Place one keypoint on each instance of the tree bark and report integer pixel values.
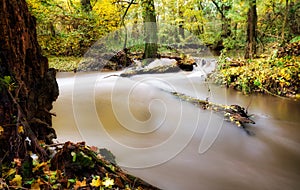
(251, 31)
(285, 21)
(150, 29)
(25, 105)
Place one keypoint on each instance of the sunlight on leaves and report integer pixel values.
(80, 183)
(108, 182)
(1, 130)
(96, 182)
(16, 181)
(20, 129)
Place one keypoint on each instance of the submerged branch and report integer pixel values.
(233, 113)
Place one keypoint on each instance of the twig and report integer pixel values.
(123, 23)
(249, 105)
(111, 76)
(267, 91)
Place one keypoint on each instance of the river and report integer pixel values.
(175, 145)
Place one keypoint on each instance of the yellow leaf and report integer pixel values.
(39, 166)
(17, 181)
(10, 172)
(1, 130)
(20, 129)
(80, 183)
(96, 182)
(36, 184)
(108, 182)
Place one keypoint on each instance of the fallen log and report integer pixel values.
(157, 70)
(233, 113)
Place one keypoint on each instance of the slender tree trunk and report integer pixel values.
(285, 21)
(150, 29)
(26, 100)
(181, 23)
(251, 31)
(123, 24)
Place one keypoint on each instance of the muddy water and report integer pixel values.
(175, 145)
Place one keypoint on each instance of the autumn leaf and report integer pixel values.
(80, 183)
(1, 130)
(20, 129)
(108, 182)
(96, 182)
(16, 181)
(9, 173)
(18, 162)
(39, 166)
(36, 184)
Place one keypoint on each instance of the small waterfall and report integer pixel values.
(203, 67)
(207, 65)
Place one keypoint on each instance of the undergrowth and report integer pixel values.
(277, 76)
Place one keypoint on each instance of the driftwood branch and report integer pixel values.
(233, 113)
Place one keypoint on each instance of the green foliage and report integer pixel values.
(6, 80)
(64, 28)
(271, 16)
(295, 39)
(279, 76)
(82, 160)
(6, 83)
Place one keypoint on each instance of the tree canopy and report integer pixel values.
(68, 27)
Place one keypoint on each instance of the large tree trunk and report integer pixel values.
(150, 29)
(251, 31)
(25, 103)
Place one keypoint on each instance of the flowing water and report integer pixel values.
(175, 145)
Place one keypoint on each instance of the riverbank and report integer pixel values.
(276, 76)
(268, 75)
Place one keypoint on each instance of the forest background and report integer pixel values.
(68, 28)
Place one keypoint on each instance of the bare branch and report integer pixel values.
(218, 8)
